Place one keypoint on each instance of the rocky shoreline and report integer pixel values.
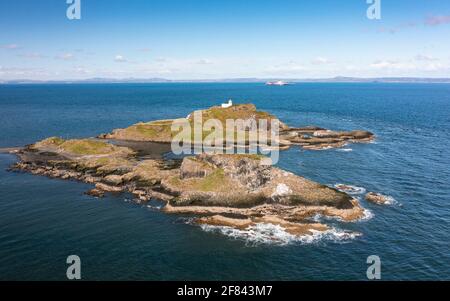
(237, 191)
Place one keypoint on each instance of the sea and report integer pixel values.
(43, 221)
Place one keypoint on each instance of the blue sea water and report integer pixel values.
(42, 221)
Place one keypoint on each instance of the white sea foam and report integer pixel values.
(367, 215)
(264, 233)
(344, 150)
(155, 207)
(390, 200)
(350, 189)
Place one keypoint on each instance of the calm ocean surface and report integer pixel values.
(42, 221)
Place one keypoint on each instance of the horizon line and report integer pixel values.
(336, 79)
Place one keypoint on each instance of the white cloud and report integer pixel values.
(290, 67)
(434, 66)
(161, 60)
(352, 68)
(32, 55)
(10, 46)
(81, 70)
(65, 56)
(393, 64)
(16, 72)
(120, 59)
(426, 58)
(204, 62)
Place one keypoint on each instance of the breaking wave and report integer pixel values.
(344, 150)
(350, 189)
(264, 233)
(154, 207)
(367, 215)
(391, 201)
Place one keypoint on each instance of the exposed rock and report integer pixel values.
(326, 139)
(297, 229)
(219, 220)
(105, 187)
(242, 181)
(96, 193)
(378, 198)
(192, 168)
(114, 180)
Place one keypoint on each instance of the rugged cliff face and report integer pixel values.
(242, 181)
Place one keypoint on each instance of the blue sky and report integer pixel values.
(213, 39)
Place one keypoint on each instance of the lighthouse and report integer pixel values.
(228, 104)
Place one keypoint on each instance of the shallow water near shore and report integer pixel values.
(42, 221)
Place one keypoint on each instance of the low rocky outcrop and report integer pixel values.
(378, 198)
(292, 228)
(96, 193)
(311, 137)
(314, 138)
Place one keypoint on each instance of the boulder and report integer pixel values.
(96, 193)
(114, 180)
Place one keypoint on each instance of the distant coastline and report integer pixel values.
(338, 79)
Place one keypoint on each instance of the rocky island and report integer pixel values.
(233, 190)
(310, 137)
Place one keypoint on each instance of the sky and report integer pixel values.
(216, 39)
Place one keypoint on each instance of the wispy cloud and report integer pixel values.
(425, 58)
(21, 72)
(204, 62)
(320, 61)
(397, 28)
(161, 60)
(290, 67)
(10, 46)
(65, 56)
(420, 63)
(81, 70)
(431, 20)
(32, 55)
(392, 64)
(437, 20)
(390, 30)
